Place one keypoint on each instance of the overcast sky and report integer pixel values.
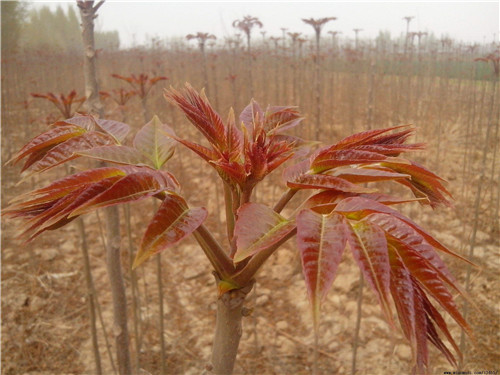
(470, 21)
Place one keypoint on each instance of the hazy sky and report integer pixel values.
(470, 21)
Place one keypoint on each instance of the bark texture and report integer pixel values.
(228, 329)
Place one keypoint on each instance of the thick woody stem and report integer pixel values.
(228, 329)
(221, 262)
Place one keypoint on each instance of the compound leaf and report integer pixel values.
(369, 248)
(173, 221)
(257, 228)
(321, 240)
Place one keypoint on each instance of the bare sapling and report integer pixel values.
(202, 40)
(246, 25)
(332, 91)
(294, 37)
(276, 40)
(317, 25)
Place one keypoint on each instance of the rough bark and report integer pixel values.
(228, 329)
(88, 13)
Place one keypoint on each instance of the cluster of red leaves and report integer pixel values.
(137, 177)
(63, 103)
(244, 155)
(119, 96)
(396, 256)
(141, 83)
(59, 144)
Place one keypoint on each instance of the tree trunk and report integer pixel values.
(115, 275)
(88, 13)
(228, 329)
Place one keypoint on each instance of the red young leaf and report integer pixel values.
(279, 119)
(402, 290)
(326, 201)
(250, 115)
(423, 182)
(433, 314)
(117, 154)
(391, 149)
(405, 233)
(68, 150)
(204, 152)
(321, 181)
(362, 175)
(64, 186)
(48, 139)
(36, 156)
(135, 186)
(421, 331)
(433, 337)
(87, 122)
(365, 137)
(234, 138)
(416, 314)
(369, 248)
(117, 129)
(357, 208)
(257, 228)
(329, 159)
(173, 221)
(431, 280)
(295, 171)
(60, 202)
(397, 138)
(365, 148)
(65, 207)
(199, 111)
(321, 240)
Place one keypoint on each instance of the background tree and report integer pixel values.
(246, 25)
(408, 20)
(202, 40)
(317, 25)
(13, 15)
(60, 30)
(356, 32)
